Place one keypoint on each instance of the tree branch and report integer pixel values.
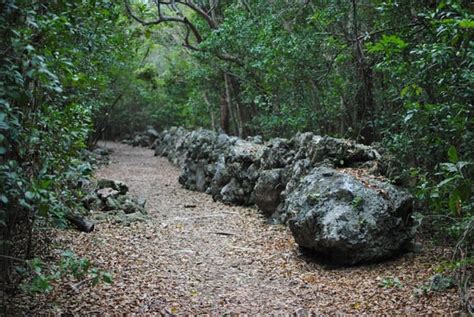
(160, 19)
(189, 3)
(190, 27)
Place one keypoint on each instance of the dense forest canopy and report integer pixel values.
(397, 74)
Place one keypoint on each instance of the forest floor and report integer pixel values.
(203, 257)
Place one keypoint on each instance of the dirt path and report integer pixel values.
(199, 256)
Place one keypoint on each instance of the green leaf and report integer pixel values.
(68, 254)
(453, 154)
(3, 199)
(43, 210)
(29, 195)
(42, 284)
(467, 24)
(446, 181)
(107, 278)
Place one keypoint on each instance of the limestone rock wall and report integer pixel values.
(331, 191)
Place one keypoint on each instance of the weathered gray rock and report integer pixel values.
(292, 177)
(221, 177)
(120, 217)
(119, 186)
(198, 163)
(339, 151)
(111, 197)
(233, 193)
(143, 139)
(332, 213)
(126, 219)
(101, 151)
(98, 156)
(92, 202)
(348, 220)
(267, 190)
(171, 144)
(111, 204)
(237, 171)
(129, 205)
(107, 192)
(152, 133)
(278, 153)
(138, 139)
(257, 139)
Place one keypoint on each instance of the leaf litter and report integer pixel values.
(218, 259)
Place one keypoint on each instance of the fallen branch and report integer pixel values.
(222, 233)
(81, 223)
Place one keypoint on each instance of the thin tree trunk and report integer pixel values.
(364, 103)
(224, 115)
(211, 113)
(228, 99)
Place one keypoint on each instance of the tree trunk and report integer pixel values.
(224, 115)
(210, 110)
(364, 100)
(234, 113)
(242, 111)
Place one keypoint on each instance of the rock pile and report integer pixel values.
(110, 199)
(97, 156)
(330, 191)
(143, 139)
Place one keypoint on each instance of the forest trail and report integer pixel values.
(200, 256)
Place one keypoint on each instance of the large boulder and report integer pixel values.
(348, 219)
(290, 178)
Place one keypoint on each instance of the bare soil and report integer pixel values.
(197, 256)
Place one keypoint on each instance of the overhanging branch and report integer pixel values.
(180, 18)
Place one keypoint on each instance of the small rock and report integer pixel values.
(116, 185)
(107, 192)
(112, 204)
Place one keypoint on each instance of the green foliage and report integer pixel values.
(357, 202)
(43, 277)
(449, 193)
(437, 283)
(388, 44)
(391, 71)
(59, 61)
(395, 72)
(391, 282)
(454, 191)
